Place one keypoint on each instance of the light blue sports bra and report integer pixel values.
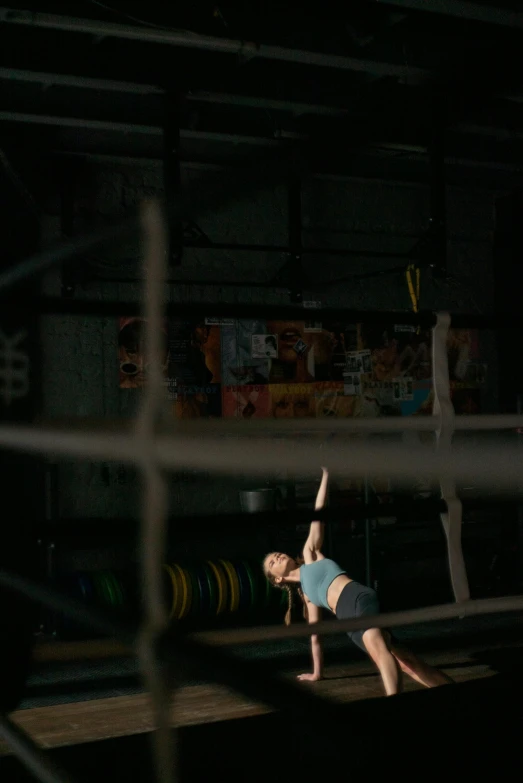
(316, 578)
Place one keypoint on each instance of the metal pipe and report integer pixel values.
(63, 80)
(127, 127)
(254, 102)
(125, 632)
(461, 9)
(189, 40)
(497, 467)
(299, 427)
(293, 248)
(172, 178)
(282, 312)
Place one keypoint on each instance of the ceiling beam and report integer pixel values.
(245, 49)
(199, 96)
(139, 130)
(461, 9)
(259, 141)
(60, 80)
(250, 102)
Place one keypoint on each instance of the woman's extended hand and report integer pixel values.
(309, 677)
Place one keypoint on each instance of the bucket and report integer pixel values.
(255, 501)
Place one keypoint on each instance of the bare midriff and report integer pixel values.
(335, 590)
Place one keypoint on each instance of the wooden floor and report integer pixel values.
(71, 724)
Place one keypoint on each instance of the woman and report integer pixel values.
(321, 583)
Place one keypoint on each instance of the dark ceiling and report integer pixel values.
(367, 90)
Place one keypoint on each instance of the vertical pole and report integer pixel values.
(172, 178)
(368, 535)
(508, 250)
(438, 189)
(295, 232)
(68, 176)
(21, 474)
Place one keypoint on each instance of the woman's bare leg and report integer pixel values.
(387, 663)
(417, 669)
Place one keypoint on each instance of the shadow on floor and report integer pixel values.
(459, 727)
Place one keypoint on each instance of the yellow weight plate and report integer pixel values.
(183, 602)
(175, 590)
(222, 593)
(188, 582)
(234, 585)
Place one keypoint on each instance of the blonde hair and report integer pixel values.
(289, 589)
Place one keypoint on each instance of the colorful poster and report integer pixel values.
(238, 366)
(352, 383)
(331, 401)
(292, 400)
(197, 402)
(330, 348)
(402, 389)
(295, 359)
(421, 401)
(462, 348)
(283, 369)
(396, 353)
(131, 353)
(194, 353)
(245, 402)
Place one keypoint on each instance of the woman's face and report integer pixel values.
(291, 407)
(278, 565)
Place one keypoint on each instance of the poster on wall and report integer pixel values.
(245, 402)
(421, 401)
(238, 365)
(294, 361)
(298, 369)
(332, 402)
(194, 352)
(352, 383)
(292, 400)
(131, 353)
(462, 348)
(264, 346)
(197, 402)
(395, 354)
(402, 389)
(330, 348)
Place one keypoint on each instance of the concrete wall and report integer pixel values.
(80, 367)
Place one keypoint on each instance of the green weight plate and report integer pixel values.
(100, 587)
(195, 592)
(252, 581)
(213, 589)
(116, 588)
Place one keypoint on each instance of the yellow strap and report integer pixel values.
(414, 294)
